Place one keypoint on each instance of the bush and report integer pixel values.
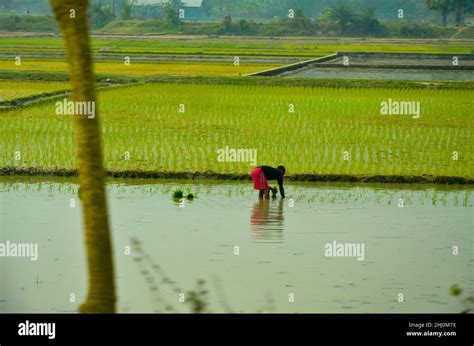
(28, 23)
(368, 28)
(415, 30)
(99, 14)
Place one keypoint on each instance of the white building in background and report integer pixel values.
(192, 8)
(186, 3)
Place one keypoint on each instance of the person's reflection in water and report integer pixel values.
(266, 221)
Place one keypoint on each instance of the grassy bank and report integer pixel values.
(209, 175)
(333, 131)
(40, 76)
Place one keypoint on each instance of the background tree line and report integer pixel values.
(269, 9)
(270, 17)
(460, 8)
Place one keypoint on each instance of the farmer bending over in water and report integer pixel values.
(260, 176)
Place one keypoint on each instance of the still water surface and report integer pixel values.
(253, 255)
(391, 74)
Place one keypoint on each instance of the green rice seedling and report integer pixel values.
(144, 121)
(178, 194)
(10, 90)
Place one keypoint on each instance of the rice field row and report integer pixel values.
(135, 68)
(10, 90)
(255, 47)
(180, 128)
(301, 193)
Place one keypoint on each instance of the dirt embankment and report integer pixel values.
(389, 179)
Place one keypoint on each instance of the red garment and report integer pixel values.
(259, 180)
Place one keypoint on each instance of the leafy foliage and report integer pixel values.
(341, 14)
(127, 9)
(445, 7)
(100, 14)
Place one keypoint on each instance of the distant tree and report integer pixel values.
(414, 30)
(369, 24)
(171, 9)
(244, 26)
(460, 8)
(256, 8)
(341, 14)
(299, 13)
(127, 9)
(100, 14)
(368, 13)
(227, 24)
(444, 7)
(299, 24)
(148, 11)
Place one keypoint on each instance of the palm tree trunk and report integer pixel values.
(459, 14)
(101, 293)
(444, 15)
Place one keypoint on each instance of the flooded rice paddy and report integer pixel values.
(381, 73)
(252, 255)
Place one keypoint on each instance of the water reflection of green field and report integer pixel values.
(408, 249)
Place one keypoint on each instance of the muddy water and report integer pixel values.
(253, 255)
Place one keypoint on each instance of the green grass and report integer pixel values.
(223, 80)
(28, 23)
(10, 90)
(199, 46)
(145, 122)
(137, 68)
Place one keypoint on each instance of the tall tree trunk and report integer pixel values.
(459, 14)
(101, 293)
